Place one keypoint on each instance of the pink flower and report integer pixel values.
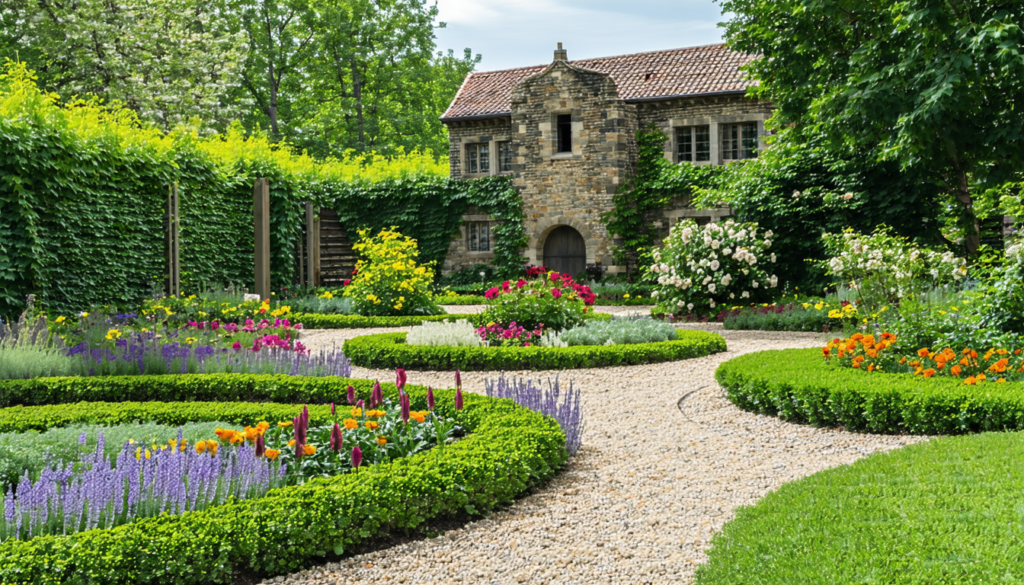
(236, 346)
(554, 276)
(556, 292)
(215, 325)
(491, 293)
(521, 283)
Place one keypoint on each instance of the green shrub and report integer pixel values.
(508, 449)
(550, 301)
(797, 385)
(389, 350)
(311, 321)
(791, 318)
(620, 331)
(945, 511)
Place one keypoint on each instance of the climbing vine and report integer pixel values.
(651, 188)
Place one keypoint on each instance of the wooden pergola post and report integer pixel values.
(312, 246)
(172, 253)
(261, 216)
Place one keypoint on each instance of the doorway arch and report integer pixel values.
(565, 251)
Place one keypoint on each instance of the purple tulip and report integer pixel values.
(361, 404)
(400, 379)
(376, 397)
(336, 438)
(404, 400)
(351, 395)
(332, 410)
(261, 446)
(430, 398)
(458, 398)
(357, 456)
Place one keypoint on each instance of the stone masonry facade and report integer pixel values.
(515, 113)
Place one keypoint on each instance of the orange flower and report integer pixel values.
(212, 447)
(351, 423)
(251, 433)
(357, 412)
(923, 352)
(237, 438)
(291, 443)
(371, 425)
(382, 441)
(272, 454)
(981, 377)
(856, 364)
(955, 370)
(224, 434)
(964, 362)
(928, 373)
(871, 367)
(308, 449)
(824, 351)
(201, 447)
(857, 337)
(1001, 380)
(263, 426)
(418, 416)
(871, 353)
(970, 381)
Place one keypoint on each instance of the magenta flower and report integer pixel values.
(336, 438)
(458, 398)
(261, 446)
(351, 395)
(332, 410)
(557, 293)
(357, 456)
(400, 379)
(376, 397)
(236, 346)
(404, 400)
(430, 398)
(458, 379)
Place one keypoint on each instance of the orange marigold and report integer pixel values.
(928, 373)
(970, 381)
(955, 370)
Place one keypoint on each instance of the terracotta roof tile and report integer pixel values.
(690, 71)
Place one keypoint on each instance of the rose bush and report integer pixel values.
(552, 301)
(388, 280)
(701, 267)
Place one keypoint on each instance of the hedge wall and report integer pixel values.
(389, 350)
(83, 191)
(797, 385)
(507, 450)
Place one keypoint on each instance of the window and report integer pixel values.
(564, 133)
(739, 141)
(504, 157)
(693, 143)
(478, 236)
(478, 158)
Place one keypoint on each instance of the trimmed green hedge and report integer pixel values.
(798, 385)
(320, 321)
(481, 300)
(389, 350)
(508, 450)
(944, 511)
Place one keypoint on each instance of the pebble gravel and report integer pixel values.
(665, 462)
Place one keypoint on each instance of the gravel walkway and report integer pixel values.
(666, 460)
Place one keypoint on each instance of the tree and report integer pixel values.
(168, 60)
(280, 36)
(935, 85)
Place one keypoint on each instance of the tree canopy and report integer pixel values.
(936, 85)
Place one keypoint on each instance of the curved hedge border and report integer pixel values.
(508, 450)
(387, 350)
(321, 321)
(942, 511)
(797, 385)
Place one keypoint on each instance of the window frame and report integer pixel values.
(505, 145)
(474, 230)
(477, 156)
(739, 140)
(690, 132)
(563, 133)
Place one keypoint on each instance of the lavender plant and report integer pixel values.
(140, 483)
(564, 407)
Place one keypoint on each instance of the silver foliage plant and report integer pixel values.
(620, 331)
(459, 333)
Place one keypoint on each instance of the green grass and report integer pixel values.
(946, 511)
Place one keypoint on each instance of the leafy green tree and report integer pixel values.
(170, 61)
(933, 84)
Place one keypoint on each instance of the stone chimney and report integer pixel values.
(561, 54)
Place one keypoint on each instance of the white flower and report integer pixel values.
(755, 284)
(712, 303)
(654, 294)
(715, 265)
(679, 304)
(774, 281)
(707, 279)
(732, 295)
(746, 294)
(715, 244)
(726, 279)
(727, 251)
(689, 306)
(768, 234)
(711, 287)
(745, 272)
(773, 257)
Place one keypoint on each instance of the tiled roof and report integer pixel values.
(691, 71)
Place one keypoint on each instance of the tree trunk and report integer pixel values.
(357, 93)
(972, 231)
(272, 107)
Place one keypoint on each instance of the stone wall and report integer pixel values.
(490, 130)
(572, 188)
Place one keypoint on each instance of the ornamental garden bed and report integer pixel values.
(944, 511)
(800, 386)
(387, 349)
(504, 449)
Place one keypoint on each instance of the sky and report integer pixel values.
(520, 33)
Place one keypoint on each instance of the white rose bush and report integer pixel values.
(703, 267)
(884, 268)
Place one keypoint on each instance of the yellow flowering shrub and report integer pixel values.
(388, 279)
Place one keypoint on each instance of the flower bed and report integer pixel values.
(389, 349)
(508, 449)
(313, 321)
(798, 385)
(944, 511)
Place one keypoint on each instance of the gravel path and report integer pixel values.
(666, 460)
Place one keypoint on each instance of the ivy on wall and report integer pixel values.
(652, 187)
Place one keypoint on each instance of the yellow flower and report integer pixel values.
(190, 340)
(272, 454)
(350, 423)
(382, 441)
(85, 314)
(308, 449)
(113, 334)
(284, 424)
(60, 319)
(818, 306)
(625, 296)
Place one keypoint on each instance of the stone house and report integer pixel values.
(566, 133)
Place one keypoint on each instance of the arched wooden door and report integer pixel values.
(565, 251)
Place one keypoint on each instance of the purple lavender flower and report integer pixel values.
(564, 407)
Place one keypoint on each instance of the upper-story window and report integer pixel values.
(504, 156)
(478, 236)
(478, 158)
(564, 125)
(739, 141)
(693, 143)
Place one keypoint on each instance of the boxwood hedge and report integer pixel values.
(798, 385)
(320, 321)
(388, 350)
(508, 449)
